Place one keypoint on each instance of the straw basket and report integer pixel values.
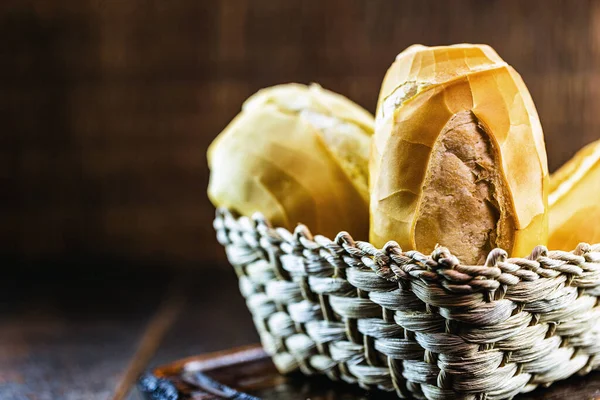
(425, 327)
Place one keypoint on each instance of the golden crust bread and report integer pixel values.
(422, 93)
(295, 97)
(573, 200)
(296, 154)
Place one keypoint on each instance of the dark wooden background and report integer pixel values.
(108, 106)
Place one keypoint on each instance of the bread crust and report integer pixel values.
(436, 84)
(296, 154)
(573, 200)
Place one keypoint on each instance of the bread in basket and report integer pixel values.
(423, 326)
(458, 159)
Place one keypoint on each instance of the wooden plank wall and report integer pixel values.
(108, 105)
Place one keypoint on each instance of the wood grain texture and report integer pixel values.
(109, 106)
(88, 336)
(65, 337)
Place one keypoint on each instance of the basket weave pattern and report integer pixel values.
(423, 326)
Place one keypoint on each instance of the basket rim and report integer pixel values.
(579, 267)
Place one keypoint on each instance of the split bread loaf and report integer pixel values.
(296, 154)
(458, 156)
(574, 200)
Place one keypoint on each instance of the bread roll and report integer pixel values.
(458, 156)
(296, 154)
(573, 200)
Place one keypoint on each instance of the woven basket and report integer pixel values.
(425, 327)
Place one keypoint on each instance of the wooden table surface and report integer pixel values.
(86, 330)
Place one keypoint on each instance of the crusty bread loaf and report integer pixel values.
(458, 156)
(574, 200)
(296, 154)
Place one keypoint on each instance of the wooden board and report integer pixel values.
(250, 371)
